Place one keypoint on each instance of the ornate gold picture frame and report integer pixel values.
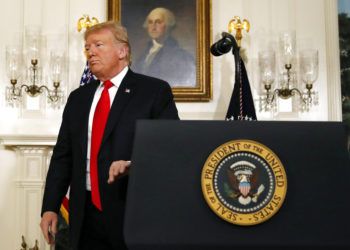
(190, 79)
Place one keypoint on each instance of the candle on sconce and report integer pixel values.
(287, 44)
(13, 62)
(33, 42)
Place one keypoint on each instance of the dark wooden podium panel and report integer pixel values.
(166, 208)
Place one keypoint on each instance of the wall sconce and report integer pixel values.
(25, 69)
(288, 76)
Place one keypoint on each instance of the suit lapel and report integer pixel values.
(87, 98)
(124, 93)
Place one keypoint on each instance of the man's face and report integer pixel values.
(104, 54)
(157, 28)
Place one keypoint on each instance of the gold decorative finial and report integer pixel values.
(24, 245)
(36, 247)
(86, 22)
(236, 24)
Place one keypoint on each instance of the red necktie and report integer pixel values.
(98, 127)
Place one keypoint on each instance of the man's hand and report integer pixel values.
(48, 226)
(116, 169)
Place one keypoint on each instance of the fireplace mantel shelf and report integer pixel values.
(28, 140)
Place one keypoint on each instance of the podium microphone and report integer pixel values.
(224, 45)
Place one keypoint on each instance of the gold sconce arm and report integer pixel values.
(286, 93)
(33, 89)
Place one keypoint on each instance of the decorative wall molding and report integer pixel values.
(33, 156)
(28, 140)
(333, 61)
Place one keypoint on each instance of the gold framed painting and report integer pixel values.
(170, 40)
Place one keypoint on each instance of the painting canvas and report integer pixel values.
(169, 40)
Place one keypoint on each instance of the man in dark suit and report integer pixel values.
(96, 217)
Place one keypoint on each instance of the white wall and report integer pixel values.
(316, 28)
(267, 18)
(7, 198)
(58, 20)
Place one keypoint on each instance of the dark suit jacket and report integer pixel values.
(138, 97)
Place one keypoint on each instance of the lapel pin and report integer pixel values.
(127, 90)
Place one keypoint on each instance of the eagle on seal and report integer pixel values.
(243, 180)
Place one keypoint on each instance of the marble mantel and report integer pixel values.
(33, 153)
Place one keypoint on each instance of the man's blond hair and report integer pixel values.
(119, 33)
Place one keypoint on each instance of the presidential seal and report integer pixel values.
(244, 182)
